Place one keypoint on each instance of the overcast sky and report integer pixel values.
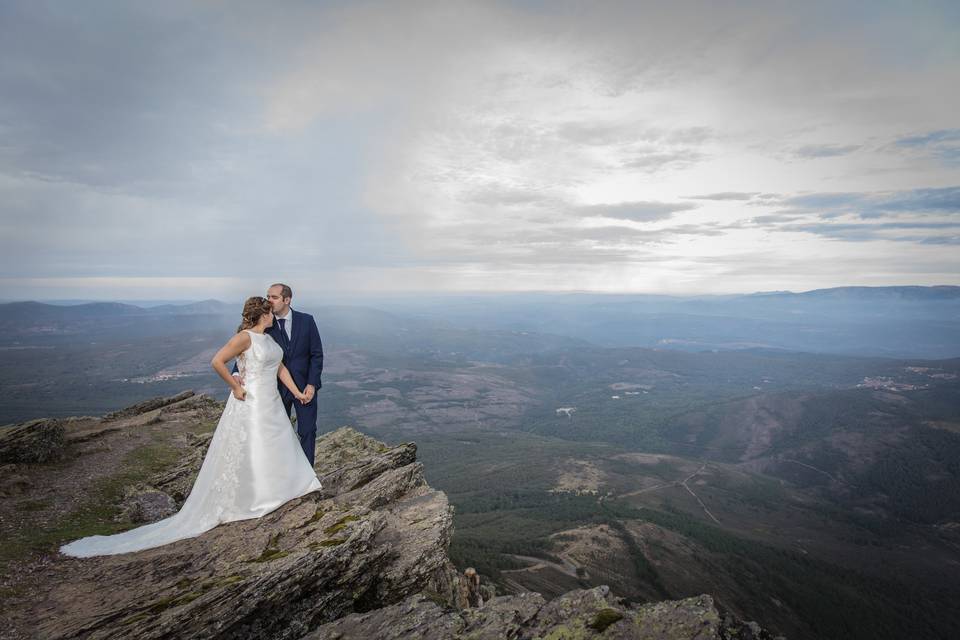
(206, 149)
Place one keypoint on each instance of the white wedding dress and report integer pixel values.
(254, 464)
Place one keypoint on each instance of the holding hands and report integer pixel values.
(306, 395)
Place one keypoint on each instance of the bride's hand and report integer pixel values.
(240, 393)
(302, 397)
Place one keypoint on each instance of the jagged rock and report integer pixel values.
(148, 405)
(686, 618)
(178, 481)
(469, 594)
(392, 481)
(33, 442)
(185, 406)
(202, 406)
(12, 482)
(163, 494)
(488, 592)
(581, 614)
(343, 448)
(422, 617)
(311, 561)
(145, 505)
(355, 474)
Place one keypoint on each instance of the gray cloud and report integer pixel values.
(865, 205)
(931, 138)
(623, 133)
(653, 160)
(602, 134)
(608, 234)
(630, 235)
(939, 240)
(571, 245)
(504, 195)
(862, 232)
(636, 211)
(889, 207)
(649, 149)
(119, 96)
(178, 139)
(697, 230)
(774, 218)
(825, 150)
(726, 195)
(942, 144)
(136, 130)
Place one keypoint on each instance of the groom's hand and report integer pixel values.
(308, 394)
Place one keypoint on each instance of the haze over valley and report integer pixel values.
(794, 454)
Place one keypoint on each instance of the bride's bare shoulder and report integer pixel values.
(240, 339)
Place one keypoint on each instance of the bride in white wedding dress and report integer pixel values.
(254, 463)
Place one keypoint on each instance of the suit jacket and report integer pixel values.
(302, 353)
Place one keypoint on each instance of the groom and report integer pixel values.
(297, 335)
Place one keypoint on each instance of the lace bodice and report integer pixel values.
(261, 360)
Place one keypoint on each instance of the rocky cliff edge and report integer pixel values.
(365, 557)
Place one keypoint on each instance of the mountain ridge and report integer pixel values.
(862, 291)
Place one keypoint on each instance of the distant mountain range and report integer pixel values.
(904, 292)
(903, 321)
(937, 292)
(873, 321)
(31, 310)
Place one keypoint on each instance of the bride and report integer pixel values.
(254, 463)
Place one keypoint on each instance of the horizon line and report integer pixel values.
(467, 293)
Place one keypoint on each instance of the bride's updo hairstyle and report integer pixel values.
(253, 309)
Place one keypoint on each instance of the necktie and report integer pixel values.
(283, 332)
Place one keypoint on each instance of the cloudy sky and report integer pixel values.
(202, 149)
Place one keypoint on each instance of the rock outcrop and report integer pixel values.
(365, 557)
(375, 535)
(580, 614)
(32, 442)
(149, 405)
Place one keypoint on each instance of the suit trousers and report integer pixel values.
(306, 422)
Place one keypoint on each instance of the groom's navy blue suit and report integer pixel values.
(303, 358)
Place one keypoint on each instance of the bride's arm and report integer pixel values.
(234, 347)
(288, 382)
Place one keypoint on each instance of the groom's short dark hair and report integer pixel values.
(285, 291)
